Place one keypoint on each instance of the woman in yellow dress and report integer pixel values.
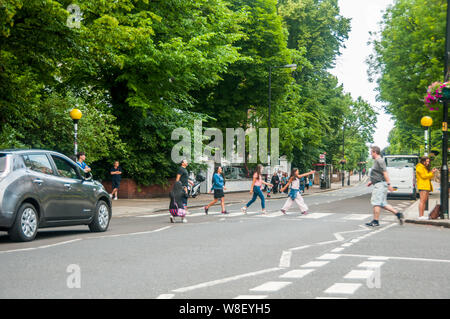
(423, 178)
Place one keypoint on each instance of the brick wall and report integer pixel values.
(129, 189)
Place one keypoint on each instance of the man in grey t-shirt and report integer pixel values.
(379, 178)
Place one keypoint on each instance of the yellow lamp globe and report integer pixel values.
(75, 114)
(426, 121)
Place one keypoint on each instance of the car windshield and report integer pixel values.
(2, 162)
(401, 162)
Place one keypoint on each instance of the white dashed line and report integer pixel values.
(329, 256)
(359, 274)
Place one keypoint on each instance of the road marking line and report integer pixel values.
(357, 216)
(316, 215)
(343, 288)
(315, 264)
(250, 297)
(297, 273)
(166, 296)
(153, 215)
(271, 286)
(359, 274)
(329, 256)
(299, 248)
(371, 264)
(337, 250)
(61, 243)
(131, 234)
(347, 245)
(225, 280)
(330, 298)
(397, 258)
(285, 260)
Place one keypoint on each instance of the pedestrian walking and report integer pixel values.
(218, 186)
(183, 177)
(379, 178)
(295, 193)
(255, 189)
(423, 177)
(81, 157)
(116, 176)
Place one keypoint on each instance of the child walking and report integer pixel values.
(255, 189)
(294, 194)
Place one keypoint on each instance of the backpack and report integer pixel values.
(434, 214)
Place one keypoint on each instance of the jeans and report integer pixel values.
(257, 193)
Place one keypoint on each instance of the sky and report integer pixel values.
(351, 68)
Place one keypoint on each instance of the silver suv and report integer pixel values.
(47, 189)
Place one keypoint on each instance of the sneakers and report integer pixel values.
(373, 223)
(423, 218)
(110, 195)
(184, 220)
(263, 211)
(115, 198)
(304, 213)
(225, 212)
(283, 211)
(244, 210)
(172, 219)
(400, 217)
(206, 210)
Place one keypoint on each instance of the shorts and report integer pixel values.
(379, 194)
(115, 184)
(218, 193)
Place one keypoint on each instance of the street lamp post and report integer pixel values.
(444, 167)
(426, 122)
(75, 115)
(287, 66)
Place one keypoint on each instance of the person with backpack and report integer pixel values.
(218, 185)
(295, 193)
(255, 189)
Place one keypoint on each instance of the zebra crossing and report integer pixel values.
(350, 216)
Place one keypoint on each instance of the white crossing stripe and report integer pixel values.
(250, 297)
(316, 215)
(271, 286)
(297, 273)
(371, 264)
(329, 256)
(315, 264)
(359, 274)
(165, 296)
(337, 250)
(357, 216)
(343, 288)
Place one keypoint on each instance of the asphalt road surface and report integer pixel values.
(328, 253)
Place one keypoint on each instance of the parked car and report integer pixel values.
(40, 188)
(402, 173)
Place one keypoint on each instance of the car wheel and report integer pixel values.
(102, 217)
(26, 224)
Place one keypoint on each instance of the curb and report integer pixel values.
(413, 210)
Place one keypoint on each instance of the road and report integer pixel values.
(328, 253)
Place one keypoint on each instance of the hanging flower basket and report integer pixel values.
(437, 92)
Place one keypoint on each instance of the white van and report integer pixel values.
(402, 173)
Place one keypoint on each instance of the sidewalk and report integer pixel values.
(412, 212)
(130, 207)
